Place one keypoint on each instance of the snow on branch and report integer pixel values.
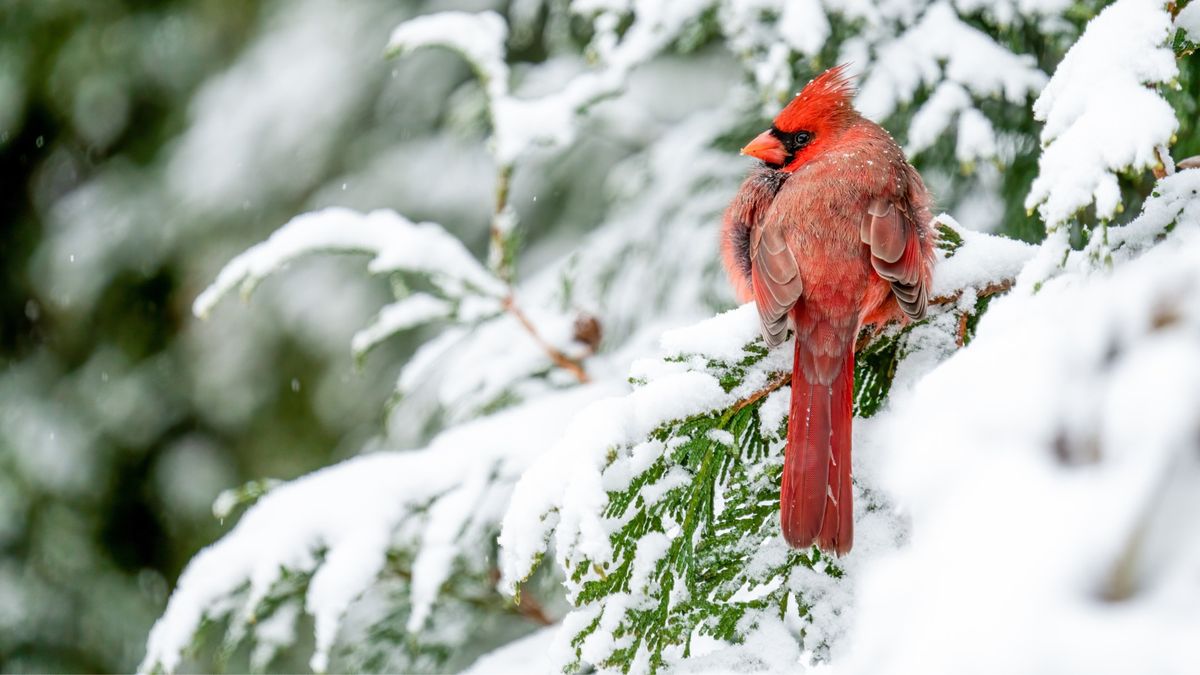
(1103, 112)
(520, 124)
(397, 244)
(328, 536)
(512, 344)
(1175, 201)
(942, 47)
(662, 504)
(1083, 443)
(1188, 23)
(976, 139)
(406, 313)
(655, 25)
(479, 37)
(973, 261)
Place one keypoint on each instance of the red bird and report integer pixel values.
(829, 234)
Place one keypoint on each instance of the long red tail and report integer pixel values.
(816, 498)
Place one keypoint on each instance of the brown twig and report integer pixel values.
(556, 355)
(783, 378)
(960, 336)
(776, 382)
(526, 606)
(991, 289)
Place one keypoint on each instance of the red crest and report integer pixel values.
(824, 101)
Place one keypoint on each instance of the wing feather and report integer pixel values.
(895, 244)
(775, 278)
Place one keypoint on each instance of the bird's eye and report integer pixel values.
(792, 141)
(797, 140)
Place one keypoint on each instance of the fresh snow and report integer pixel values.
(804, 26)
(1175, 201)
(479, 37)
(352, 512)
(413, 310)
(940, 46)
(722, 337)
(520, 657)
(521, 124)
(567, 477)
(935, 116)
(1103, 112)
(395, 243)
(1060, 495)
(1188, 20)
(981, 257)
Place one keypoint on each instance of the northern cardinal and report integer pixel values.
(829, 234)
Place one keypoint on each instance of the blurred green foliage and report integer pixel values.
(100, 434)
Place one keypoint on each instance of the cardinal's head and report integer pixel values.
(812, 121)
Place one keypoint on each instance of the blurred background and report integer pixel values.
(143, 143)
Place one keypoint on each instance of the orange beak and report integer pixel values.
(767, 148)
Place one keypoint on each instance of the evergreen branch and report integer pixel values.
(870, 338)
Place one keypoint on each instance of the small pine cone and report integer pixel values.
(587, 331)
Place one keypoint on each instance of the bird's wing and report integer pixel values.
(745, 213)
(895, 241)
(775, 278)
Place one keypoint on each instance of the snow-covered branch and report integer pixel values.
(395, 244)
(1103, 112)
(654, 500)
(1067, 426)
(333, 531)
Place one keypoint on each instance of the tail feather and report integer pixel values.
(806, 463)
(837, 530)
(816, 497)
